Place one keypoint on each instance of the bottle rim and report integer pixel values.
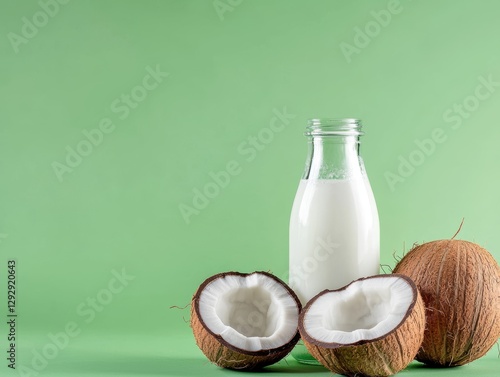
(334, 127)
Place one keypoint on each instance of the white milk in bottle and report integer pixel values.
(334, 226)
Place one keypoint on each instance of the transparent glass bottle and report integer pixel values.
(334, 226)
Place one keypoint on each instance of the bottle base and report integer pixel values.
(302, 355)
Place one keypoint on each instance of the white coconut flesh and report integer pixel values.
(252, 312)
(364, 310)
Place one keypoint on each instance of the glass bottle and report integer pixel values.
(334, 227)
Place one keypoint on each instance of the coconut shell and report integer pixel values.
(225, 355)
(460, 284)
(382, 356)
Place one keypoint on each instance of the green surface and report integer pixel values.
(171, 91)
(148, 356)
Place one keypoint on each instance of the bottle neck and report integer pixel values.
(333, 157)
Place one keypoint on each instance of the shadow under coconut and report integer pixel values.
(91, 364)
(456, 370)
(290, 365)
(128, 365)
(419, 366)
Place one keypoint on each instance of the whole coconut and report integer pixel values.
(460, 284)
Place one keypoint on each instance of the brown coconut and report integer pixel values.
(227, 354)
(460, 284)
(384, 355)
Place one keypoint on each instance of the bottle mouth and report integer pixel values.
(334, 127)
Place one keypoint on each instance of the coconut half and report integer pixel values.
(245, 321)
(371, 327)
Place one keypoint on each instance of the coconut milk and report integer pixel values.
(334, 235)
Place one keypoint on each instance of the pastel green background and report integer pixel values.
(119, 208)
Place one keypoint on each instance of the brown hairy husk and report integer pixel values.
(460, 284)
(384, 356)
(226, 356)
